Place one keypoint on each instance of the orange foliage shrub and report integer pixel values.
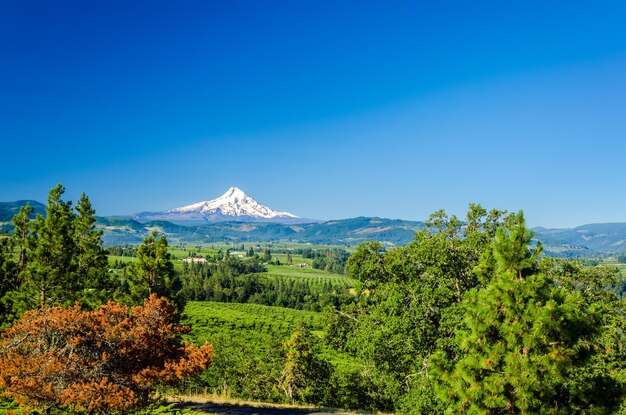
(109, 359)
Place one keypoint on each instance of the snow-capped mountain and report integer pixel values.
(234, 205)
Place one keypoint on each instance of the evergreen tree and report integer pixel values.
(90, 258)
(55, 260)
(522, 339)
(12, 271)
(304, 374)
(153, 271)
(49, 277)
(23, 239)
(7, 282)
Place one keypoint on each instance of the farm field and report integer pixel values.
(255, 325)
(312, 276)
(207, 318)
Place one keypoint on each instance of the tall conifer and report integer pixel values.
(153, 272)
(90, 260)
(49, 275)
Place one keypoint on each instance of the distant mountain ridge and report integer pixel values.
(9, 209)
(582, 241)
(234, 205)
(121, 231)
(590, 239)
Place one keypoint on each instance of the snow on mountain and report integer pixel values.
(234, 205)
(235, 202)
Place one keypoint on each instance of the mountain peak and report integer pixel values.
(234, 193)
(234, 205)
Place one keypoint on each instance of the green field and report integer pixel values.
(124, 259)
(253, 325)
(313, 277)
(207, 318)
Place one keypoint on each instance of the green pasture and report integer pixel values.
(124, 259)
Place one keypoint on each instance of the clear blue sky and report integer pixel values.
(325, 109)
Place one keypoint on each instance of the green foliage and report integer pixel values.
(332, 260)
(247, 342)
(366, 264)
(267, 255)
(7, 406)
(250, 358)
(153, 271)
(51, 269)
(53, 260)
(90, 257)
(604, 374)
(305, 375)
(408, 304)
(245, 281)
(524, 338)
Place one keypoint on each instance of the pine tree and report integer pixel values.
(49, 276)
(153, 272)
(90, 259)
(12, 269)
(23, 240)
(7, 282)
(523, 336)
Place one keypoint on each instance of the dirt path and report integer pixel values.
(230, 409)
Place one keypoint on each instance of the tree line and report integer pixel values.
(235, 280)
(471, 318)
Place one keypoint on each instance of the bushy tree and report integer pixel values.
(523, 339)
(408, 304)
(305, 374)
(106, 360)
(153, 271)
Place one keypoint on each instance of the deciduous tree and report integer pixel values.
(304, 374)
(523, 339)
(106, 360)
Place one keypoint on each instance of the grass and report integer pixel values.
(124, 259)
